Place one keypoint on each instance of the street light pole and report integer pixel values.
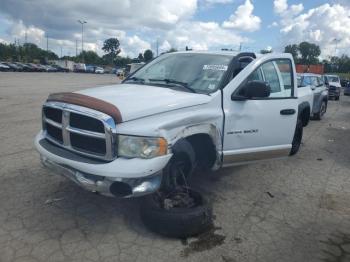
(82, 37)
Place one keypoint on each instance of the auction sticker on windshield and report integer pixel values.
(215, 67)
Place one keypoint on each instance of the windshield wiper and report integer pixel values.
(135, 79)
(173, 81)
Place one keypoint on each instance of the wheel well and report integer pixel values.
(305, 115)
(204, 149)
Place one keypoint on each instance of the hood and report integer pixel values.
(136, 101)
(336, 84)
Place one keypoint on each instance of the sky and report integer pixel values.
(248, 25)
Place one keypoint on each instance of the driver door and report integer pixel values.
(261, 128)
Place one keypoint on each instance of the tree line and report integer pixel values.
(308, 54)
(30, 52)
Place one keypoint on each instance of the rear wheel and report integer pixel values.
(322, 111)
(298, 136)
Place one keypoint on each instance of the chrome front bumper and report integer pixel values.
(108, 186)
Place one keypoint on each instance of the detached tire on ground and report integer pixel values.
(298, 136)
(177, 222)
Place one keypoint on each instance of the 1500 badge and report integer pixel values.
(248, 131)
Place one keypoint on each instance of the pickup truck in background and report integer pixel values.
(332, 82)
(181, 111)
(319, 93)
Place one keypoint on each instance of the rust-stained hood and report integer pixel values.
(137, 101)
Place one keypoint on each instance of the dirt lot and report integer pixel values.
(295, 209)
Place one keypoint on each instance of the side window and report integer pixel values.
(314, 81)
(320, 81)
(285, 68)
(306, 81)
(278, 74)
(256, 75)
(271, 77)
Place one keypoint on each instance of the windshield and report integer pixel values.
(199, 73)
(333, 79)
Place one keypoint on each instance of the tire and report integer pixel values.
(180, 167)
(323, 110)
(298, 136)
(177, 222)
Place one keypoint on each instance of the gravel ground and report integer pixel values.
(294, 209)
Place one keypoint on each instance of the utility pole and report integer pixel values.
(47, 43)
(157, 46)
(240, 47)
(25, 37)
(82, 37)
(61, 52)
(336, 46)
(76, 47)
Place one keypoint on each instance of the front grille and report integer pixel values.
(53, 114)
(87, 123)
(88, 144)
(80, 129)
(54, 133)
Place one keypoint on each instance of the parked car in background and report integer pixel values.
(90, 69)
(25, 68)
(60, 68)
(347, 89)
(305, 100)
(333, 84)
(50, 68)
(80, 68)
(99, 70)
(344, 82)
(4, 68)
(13, 67)
(320, 93)
(131, 68)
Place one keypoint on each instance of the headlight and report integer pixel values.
(141, 147)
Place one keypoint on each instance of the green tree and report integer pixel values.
(148, 55)
(294, 50)
(111, 46)
(90, 57)
(140, 57)
(309, 53)
(171, 50)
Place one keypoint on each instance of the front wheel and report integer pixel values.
(298, 136)
(180, 167)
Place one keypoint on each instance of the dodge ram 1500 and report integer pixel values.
(180, 111)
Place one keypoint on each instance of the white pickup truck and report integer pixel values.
(181, 111)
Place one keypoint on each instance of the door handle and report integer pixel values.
(287, 112)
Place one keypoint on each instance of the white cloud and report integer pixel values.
(279, 6)
(137, 24)
(33, 34)
(243, 18)
(320, 25)
(202, 36)
(214, 2)
(273, 24)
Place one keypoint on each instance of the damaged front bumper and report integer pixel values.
(117, 187)
(119, 178)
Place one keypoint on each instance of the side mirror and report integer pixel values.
(313, 87)
(252, 89)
